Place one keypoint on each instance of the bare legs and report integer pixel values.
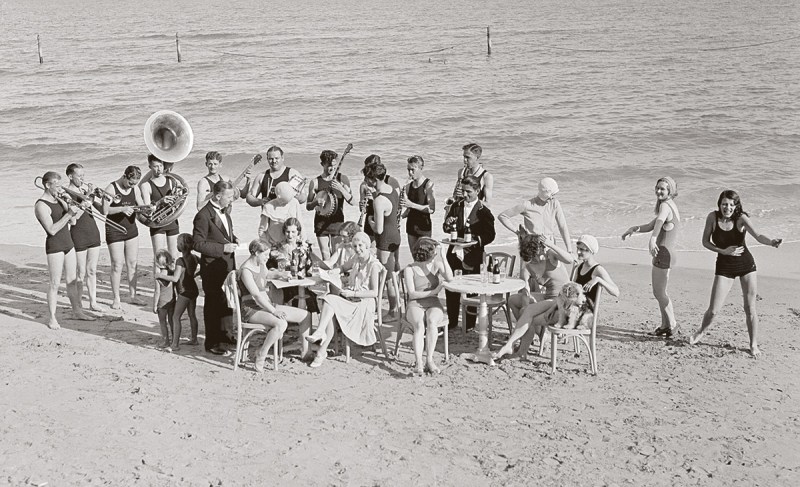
(183, 303)
(161, 241)
(87, 274)
(660, 279)
(58, 264)
(279, 325)
(324, 242)
(532, 311)
(126, 253)
(421, 318)
(389, 260)
(719, 291)
(323, 333)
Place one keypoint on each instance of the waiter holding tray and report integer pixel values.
(467, 213)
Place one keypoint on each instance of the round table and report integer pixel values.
(471, 283)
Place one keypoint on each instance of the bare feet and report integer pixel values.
(694, 339)
(431, 368)
(80, 315)
(418, 370)
(96, 307)
(136, 301)
(116, 305)
(754, 351)
(53, 323)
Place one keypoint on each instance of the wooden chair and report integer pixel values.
(588, 337)
(231, 289)
(378, 318)
(404, 324)
(494, 302)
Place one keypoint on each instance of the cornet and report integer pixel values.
(65, 196)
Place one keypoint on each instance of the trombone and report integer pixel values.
(65, 196)
(88, 192)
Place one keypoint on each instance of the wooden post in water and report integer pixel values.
(39, 49)
(178, 46)
(488, 42)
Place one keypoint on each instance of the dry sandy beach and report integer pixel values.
(97, 404)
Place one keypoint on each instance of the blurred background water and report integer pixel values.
(604, 96)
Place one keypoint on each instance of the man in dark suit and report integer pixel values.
(214, 239)
(469, 259)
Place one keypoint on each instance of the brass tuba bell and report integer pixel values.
(169, 137)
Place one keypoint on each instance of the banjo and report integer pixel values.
(326, 198)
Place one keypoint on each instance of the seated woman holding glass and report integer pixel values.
(354, 307)
(258, 308)
(424, 279)
(280, 258)
(546, 264)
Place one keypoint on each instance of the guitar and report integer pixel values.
(326, 198)
(256, 159)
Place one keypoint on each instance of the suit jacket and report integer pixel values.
(481, 223)
(210, 237)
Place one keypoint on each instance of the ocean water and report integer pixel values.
(604, 96)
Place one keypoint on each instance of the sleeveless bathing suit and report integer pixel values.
(424, 282)
(61, 241)
(321, 223)
(267, 189)
(187, 286)
(584, 279)
(389, 240)
(552, 279)
(85, 234)
(128, 222)
(731, 266)
(666, 257)
(156, 193)
(418, 222)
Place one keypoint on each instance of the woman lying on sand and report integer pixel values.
(724, 234)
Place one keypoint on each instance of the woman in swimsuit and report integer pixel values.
(665, 228)
(424, 279)
(724, 234)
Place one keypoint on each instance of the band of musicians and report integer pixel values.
(360, 260)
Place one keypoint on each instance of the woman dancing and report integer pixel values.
(258, 308)
(86, 238)
(424, 279)
(724, 234)
(55, 215)
(665, 228)
(354, 308)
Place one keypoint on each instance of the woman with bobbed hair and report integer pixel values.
(724, 234)
(354, 308)
(258, 308)
(424, 279)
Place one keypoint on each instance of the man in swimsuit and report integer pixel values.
(206, 184)
(262, 191)
(472, 167)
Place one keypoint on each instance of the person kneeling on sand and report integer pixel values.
(354, 308)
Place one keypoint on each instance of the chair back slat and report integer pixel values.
(507, 259)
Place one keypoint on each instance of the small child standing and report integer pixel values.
(186, 289)
(164, 295)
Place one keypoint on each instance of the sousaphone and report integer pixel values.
(326, 198)
(169, 137)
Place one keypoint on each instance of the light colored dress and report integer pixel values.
(357, 318)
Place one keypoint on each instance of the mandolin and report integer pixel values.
(326, 198)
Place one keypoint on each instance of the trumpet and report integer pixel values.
(65, 197)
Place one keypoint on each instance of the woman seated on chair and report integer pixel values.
(280, 258)
(258, 308)
(423, 279)
(343, 249)
(353, 309)
(589, 273)
(545, 264)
